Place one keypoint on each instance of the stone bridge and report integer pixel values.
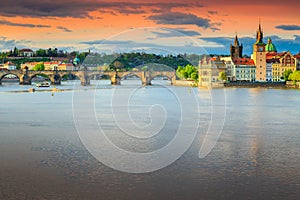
(55, 76)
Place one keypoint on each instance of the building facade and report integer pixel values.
(283, 62)
(244, 69)
(210, 70)
(26, 52)
(259, 56)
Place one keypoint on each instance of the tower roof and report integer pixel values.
(270, 47)
(259, 35)
(236, 41)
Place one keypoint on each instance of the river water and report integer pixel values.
(43, 155)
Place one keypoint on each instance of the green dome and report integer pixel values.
(270, 47)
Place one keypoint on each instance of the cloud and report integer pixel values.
(7, 45)
(212, 12)
(79, 8)
(179, 18)
(64, 29)
(292, 45)
(175, 33)
(120, 46)
(8, 23)
(288, 27)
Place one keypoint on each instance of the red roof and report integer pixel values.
(297, 56)
(271, 55)
(243, 61)
(26, 50)
(273, 60)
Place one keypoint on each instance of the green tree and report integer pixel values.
(118, 65)
(286, 74)
(145, 68)
(194, 76)
(179, 72)
(295, 76)
(16, 52)
(222, 76)
(39, 67)
(187, 72)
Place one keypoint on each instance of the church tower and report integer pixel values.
(259, 56)
(236, 50)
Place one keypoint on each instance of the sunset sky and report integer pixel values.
(175, 26)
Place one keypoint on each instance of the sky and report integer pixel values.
(172, 27)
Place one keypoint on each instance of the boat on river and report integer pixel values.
(43, 84)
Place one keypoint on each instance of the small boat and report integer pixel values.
(43, 84)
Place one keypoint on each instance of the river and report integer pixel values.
(44, 155)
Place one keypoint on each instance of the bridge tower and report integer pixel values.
(146, 79)
(25, 78)
(55, 78)
(115, 79)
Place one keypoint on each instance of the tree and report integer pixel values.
(118, 65)
(15, 52)
(194, 76)
(39, 67)
(187, 72)
(222, 76)
(295, 76)
(144, 68)
(286, 74)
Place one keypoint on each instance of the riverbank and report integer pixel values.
(255, 85)
(185, 83)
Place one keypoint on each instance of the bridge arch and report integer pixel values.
(99, 75)
(171, 76)
(8, 73)
(39, 74)
(68, 74)
(131, 74)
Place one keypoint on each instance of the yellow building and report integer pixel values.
(52, 65)
(29, 65)
(282, 62)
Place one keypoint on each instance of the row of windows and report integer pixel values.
(245, 76)
(245, 71)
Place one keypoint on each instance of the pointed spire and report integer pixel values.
(259, 34)
(236, 40)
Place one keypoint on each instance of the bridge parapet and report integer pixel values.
(55, 76)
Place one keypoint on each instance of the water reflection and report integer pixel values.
(256, 157)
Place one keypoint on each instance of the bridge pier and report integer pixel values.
(146, 81)
(173, 80)
(55, 79)
(85, 82)
(115, 79)
(25, 79)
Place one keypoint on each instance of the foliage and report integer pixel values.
(117, 65)
(187, 72)
(295, 76)
(145, 68)
(39, 67)
(286, 74)
(132, 60)
(222, 76)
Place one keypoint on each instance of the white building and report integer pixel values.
(9, 66)
(229, 68)
(244, 69)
